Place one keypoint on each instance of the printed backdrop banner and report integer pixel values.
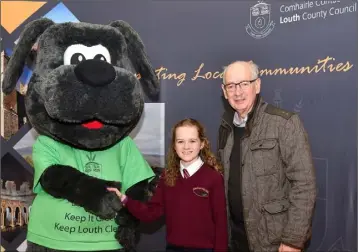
(306, 51)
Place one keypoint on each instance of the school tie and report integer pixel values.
(186, 173)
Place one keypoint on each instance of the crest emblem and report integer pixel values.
(201, 192)
(261, 24)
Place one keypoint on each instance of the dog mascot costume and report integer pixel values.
(84, 98)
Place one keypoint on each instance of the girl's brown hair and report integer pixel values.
(173, 161)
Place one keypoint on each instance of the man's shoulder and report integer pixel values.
(275, 111)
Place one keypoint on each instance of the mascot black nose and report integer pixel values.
(95, 72)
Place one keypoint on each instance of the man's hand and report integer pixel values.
(285, 248)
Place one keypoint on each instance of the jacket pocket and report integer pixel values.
(275, 214)
(263, 144)
(265, 156)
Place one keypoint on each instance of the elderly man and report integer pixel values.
(269, 174)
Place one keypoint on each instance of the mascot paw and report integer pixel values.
(106, 204)
(152, 185)
(109, 205)
(124, 219)
(128, 238)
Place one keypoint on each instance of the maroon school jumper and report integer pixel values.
(194, 218)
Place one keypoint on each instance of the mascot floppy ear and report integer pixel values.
(21, 51)
(139, 58)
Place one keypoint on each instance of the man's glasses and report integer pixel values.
(244, 85)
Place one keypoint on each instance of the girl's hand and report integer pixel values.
(119, 194)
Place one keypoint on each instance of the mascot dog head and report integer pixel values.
(84, 89)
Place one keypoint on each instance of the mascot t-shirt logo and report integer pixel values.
(67, 225)
(92, 168)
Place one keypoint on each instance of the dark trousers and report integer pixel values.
(239, 241)
(173, 248)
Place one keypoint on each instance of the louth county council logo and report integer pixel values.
(261, 24)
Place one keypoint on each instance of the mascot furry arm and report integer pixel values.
(84, 98)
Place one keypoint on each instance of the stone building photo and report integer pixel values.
(13, 115)
(16, 197)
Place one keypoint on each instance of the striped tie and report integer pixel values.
(186, 173)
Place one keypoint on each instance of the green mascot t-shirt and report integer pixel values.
(57, 223)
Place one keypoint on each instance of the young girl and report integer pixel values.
(190, 194)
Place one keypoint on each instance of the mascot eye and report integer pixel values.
(100, 57)
(77, 58)
(77, 53)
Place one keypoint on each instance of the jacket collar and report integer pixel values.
(227, 119)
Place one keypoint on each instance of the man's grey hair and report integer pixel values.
(253, 67)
